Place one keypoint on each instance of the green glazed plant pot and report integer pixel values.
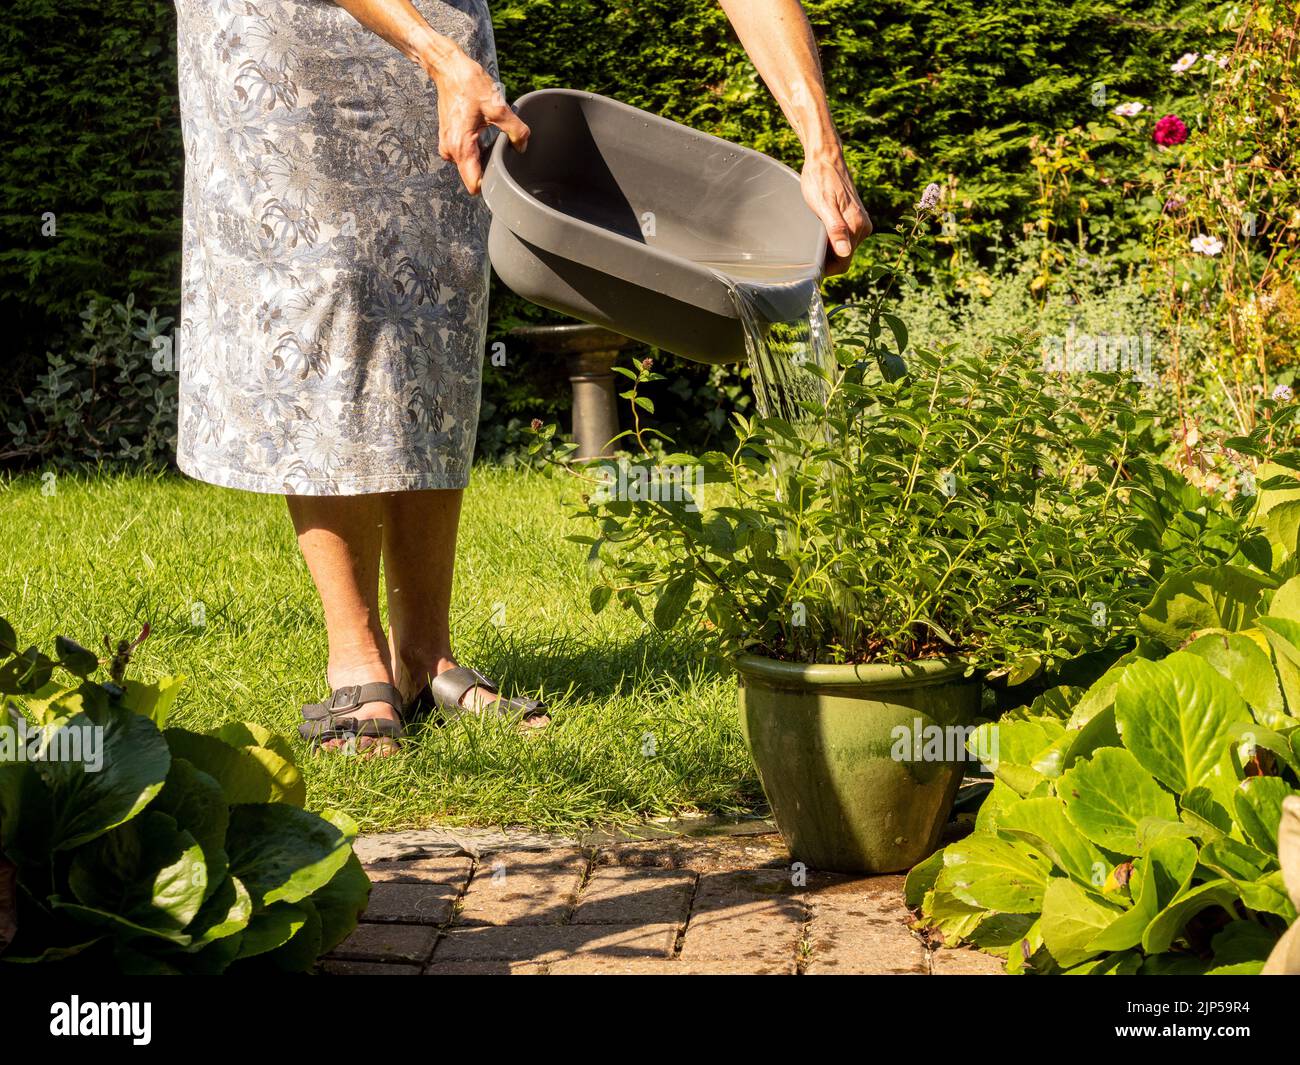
(860, 763)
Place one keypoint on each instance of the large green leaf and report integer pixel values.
(995, 874)
(1208, 597)
(1109, 795)
(1283, 636)
(1019, 749)
(89, 801)
(1042, 823)
(282, 853)
(1158, 877)
(226, 912)
(340, 903)
(147, 871)
(272, 928)
(1174, 717)
(1072, 919)
(1259, 810)
(196, 802)
(1170, 921)
(246, 774)
(1248, 667)
(1282, 526)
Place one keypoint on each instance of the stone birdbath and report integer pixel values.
(590, 352)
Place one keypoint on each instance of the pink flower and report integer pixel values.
(1169, 131)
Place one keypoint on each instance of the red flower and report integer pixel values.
(1169, 131)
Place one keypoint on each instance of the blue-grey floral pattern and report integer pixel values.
(334, 285)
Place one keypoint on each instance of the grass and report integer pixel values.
(643, 724)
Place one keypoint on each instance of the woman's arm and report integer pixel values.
(777, 37)
(468, 100)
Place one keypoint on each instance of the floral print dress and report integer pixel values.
(334, 279)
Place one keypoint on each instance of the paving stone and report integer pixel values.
(411, 903)
(860, 926)
(963, 962)
(485, 968)
(751, 915)
(551, 943)
(523, 888)
(452, 871)
(338, 967)
(597, 965)
(388, 942)
(622, 895)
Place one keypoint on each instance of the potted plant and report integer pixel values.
(868, 558)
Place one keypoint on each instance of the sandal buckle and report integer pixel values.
(345, 698)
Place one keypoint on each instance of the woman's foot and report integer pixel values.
(366, 746)
(414, 678)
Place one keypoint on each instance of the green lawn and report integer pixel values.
(644, 725)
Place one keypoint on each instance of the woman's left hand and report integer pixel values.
(828, 190)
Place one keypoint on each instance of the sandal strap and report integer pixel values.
(328, 719)
(450, 686)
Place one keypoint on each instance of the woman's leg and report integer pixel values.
(419, 556)
(340, 537)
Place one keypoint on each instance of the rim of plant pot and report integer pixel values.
(915, 674)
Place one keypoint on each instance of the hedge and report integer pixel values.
(921, 89)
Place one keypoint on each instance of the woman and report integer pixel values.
(334, 303)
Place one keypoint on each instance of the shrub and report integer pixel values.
(128, 845)
(1133, 826)
(111, 398)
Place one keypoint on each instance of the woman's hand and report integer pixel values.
(468, 103)
(468, 100)
(828, 190)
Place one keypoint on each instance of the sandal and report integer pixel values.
(326, 721)
(441, 698)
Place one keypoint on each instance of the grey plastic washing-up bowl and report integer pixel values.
(625, 219)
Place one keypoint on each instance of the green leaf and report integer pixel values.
(340, 903)
(1282, 526)
(1248, 668)
(194, 800)
(1072, 919)
(1259, 810)
(1042, 823)
(1174, 717)
(246, 774)
(1169, 923)
(599, 597)
(282, 853)
(271, 928)
(995, 874)
(1019, 748)
(148, 872)
(1223, 597)
(87, 800)
(75, 658)
(1157, 878)
(154, 700)
(1109, 795)
(672, 601)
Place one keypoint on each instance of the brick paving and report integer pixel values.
(529, 906)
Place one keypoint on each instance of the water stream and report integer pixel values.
(788, 339)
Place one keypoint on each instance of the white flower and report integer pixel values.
(1283, 394)
(930, 197)
(1203, 245)
(1220, 60)
(1185, 63)
(1128, 110)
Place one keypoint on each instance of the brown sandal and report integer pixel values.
(441, 700)
(326, 721)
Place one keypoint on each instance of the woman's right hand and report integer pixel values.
(468, 103)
